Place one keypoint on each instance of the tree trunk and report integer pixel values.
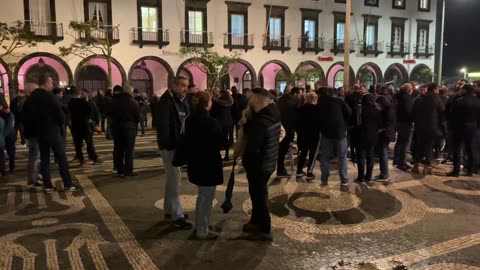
(109, 72)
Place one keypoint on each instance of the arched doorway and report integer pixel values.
(91, 71)
(194, 70)
(31, 66)
(308, 73)
(152, 75)
(92, 78)
(396, 74)
(369, 74)
(247, 81)
(275, 74)
(4, 79)
(336, 75)
(33, 73)
(141, 80)
(422, 74)
(240, 74)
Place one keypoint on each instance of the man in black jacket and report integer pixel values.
(16, 107)
(404, 103)
(354, 101)
(288, 105)
(170, 113)
(44, 120)
(81, 117)
(240, 103)
(387, 132)
(259, 160)
(466, 118)
(125, 118)
(426, 112)
(334, 116)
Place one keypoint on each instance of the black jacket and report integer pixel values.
(203, 139)
(240, 103)
(43, 116)
(80, 115)
(262, 134)
(368, 130)
(465, 114)
(16, 107)
(403, 107)
(124, 112)
(334, 117)
(288, 106)
(427, 112)
(167, 121)
(388, 118)
(353, 100)
(222, 111)
(308, 133)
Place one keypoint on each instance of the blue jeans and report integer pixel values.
(404, 139)
(383, 158)
(327, 149)
(203, 209)
(57, 146)
(33, 157)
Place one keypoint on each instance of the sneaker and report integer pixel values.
(382, 178)
(169, 216)
(300, 175)
(35, 184)
(324, 183)
(358, 180)
(210, 236)
(72, 188)
(50, 190)
(260, 237)
(182, 224)
(310, 176)
(344, 184)
(114, 171)
(250, 228)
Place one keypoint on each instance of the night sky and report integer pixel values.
(462, 34)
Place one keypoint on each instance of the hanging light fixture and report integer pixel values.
(41, 62)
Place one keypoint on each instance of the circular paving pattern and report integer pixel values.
(188, 202)
(443, 185)
(45, 221)
(294, 204)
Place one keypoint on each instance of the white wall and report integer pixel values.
(125, 15)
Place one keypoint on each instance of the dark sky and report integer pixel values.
(462, 34)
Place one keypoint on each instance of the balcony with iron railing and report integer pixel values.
(338, 46)
(196, 39)
(375, 48)
(398, 48)
(45, 30)
(316, 45)
(108, 33)
(150, 36)
(276, 43)
(424, 50)
(236, 41)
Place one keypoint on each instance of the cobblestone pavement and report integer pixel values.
(112, 223)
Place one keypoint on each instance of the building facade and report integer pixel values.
(392, 40)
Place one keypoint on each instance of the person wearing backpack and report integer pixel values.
(354, 101)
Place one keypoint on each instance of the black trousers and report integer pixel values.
(57, 146)
(365, 154)
(19, 128)
(226, 145)
(78, 139)
(257, 187)
(423, 148)
(283, 148)
(465, 138)
(306, 149)
(124, 145)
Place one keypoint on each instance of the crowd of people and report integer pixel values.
(434, 123)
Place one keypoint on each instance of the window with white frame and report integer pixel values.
(98, 12)
(275, 31)
(399, 3)
(339, 79)
(149, 19)
(340, 33)
(238, 29)
(372, 3)
(310, 27)
(397, 38)
(39, 11)
(422, 38)
(195, 21)
(424, 5)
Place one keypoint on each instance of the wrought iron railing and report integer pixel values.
(424, 49)
(192, 37)
(398, 47)
(372, 47)
(276, 41)
(231, 39)
(339, 45)
(150, 34)
(45, 29)
(317, 44)
(101, 32)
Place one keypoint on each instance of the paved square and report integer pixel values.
(113, 223)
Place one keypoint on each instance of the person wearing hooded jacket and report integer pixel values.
(260, 156)
(222, 111)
